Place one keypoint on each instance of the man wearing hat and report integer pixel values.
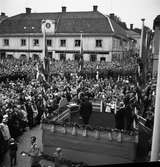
(85, 110)
(120, 116)
(58, 157)
(34, 152)
(13, 151)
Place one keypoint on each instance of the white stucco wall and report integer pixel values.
(89, 44)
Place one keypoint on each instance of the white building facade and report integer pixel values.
(100, 41)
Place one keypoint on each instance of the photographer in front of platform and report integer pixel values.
(58, 157)
(34, 153)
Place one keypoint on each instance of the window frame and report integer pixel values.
(34, 41)
(50, 43)
(78, 41)
(64, 56)
(61, 42)
(91, 60)
(22, 42)
(4, 43)
(99, 46)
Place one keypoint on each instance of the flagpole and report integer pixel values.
(81, 44)
(141, 44)
(44, 43)
(81, 51)
(155, 150)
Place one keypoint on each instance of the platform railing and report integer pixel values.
(108, 134)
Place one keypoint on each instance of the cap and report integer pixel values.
(11, 140)
(58, 149)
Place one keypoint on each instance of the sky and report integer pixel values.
(129, 11)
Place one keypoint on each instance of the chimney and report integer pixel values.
(95, 8)
(63, 9)
(131, 26)
(112, 16)
(28, 10)
(3, 14)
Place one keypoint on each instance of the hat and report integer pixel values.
(121, 104)
(11, 140)
(58, 149)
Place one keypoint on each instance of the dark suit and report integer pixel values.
(85, 110)
(120, 118)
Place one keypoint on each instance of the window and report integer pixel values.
(50, 55)
(35, 42)
(103, 59)
(6, 42)
(49, 42)
(77, 43)
(23, 42)
(10, 56)
(23, 57)
(77, 57)
(3, 55)
(93, 57)
(62, 57)
(35, 57)
(98, 43)
(63, 43)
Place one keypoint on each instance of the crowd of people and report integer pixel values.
(24, 100)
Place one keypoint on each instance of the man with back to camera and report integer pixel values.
(85, 109)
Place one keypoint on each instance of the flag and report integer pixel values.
(81, 54)
(37, 70)
(139, 70)
(97, 72)
(81, 48)
(40, 72)
(46, 61)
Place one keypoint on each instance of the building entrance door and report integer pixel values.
(35, 57)
(2, 55)
(103, 59)
(62, 57)
(93, 57)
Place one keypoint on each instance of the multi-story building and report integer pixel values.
(134, 42)
(156, 45)
(103, 39)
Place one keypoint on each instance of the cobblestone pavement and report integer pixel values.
(24, 145)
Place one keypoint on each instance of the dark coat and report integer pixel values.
(85, 110)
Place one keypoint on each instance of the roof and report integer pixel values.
(118, 29)
(133, 34)
(66, 22)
